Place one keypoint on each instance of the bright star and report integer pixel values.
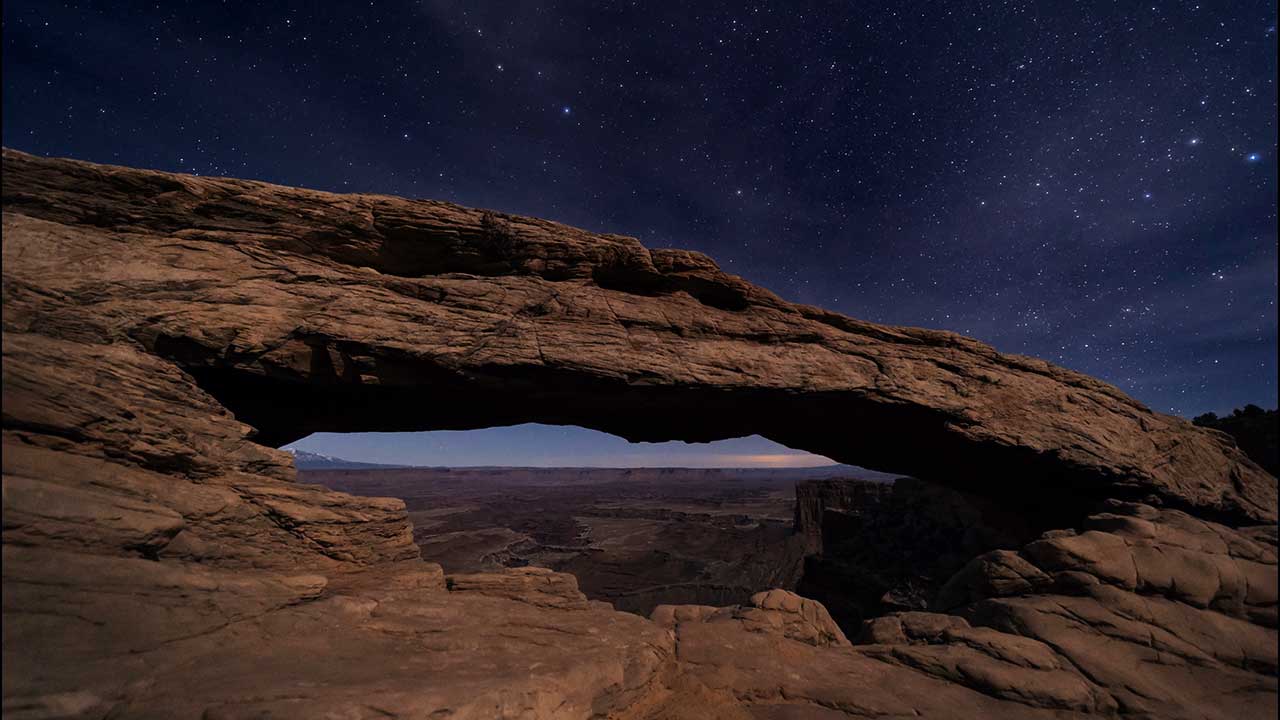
(1253, 157)
(565, 109)
(1193, 141)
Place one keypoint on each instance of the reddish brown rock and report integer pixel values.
(774, 612)
(304, 311)
(1175, 616)
(163, 332)
(532, 585)
(814, 498)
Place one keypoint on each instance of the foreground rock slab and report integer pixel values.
(172, 640)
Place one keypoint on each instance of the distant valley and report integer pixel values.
(306, 460)
(635, 537)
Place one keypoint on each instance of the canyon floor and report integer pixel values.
(635, 538)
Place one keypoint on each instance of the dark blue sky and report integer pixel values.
(1093, 183)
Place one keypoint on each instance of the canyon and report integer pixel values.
(863, 543)
(635, 537)
(165, 335)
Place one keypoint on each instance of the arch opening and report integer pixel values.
(408, 395)
(969, 495)
(643, 524)
(638, 524)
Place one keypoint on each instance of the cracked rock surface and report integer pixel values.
(163, 333)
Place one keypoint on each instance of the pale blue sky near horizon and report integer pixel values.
(534, 445)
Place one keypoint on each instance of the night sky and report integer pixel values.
(1092, 183)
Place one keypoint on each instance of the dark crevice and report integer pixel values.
(640, 280)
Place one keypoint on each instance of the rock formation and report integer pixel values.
(880, 547)
(162, 333)
(815, 498)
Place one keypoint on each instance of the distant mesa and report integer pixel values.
(262, 297)
(310, 461)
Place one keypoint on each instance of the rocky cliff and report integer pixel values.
(164, 333)
(814, 498)
(879, 547)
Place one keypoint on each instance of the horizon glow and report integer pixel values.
(535, 445)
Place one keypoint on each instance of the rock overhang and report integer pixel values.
(265, 295)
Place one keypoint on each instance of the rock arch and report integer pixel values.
(164, 332)
(304, 311)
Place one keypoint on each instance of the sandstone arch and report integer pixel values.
(304, 311)
(163, 331)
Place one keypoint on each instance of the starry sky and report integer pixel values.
(1093, 183)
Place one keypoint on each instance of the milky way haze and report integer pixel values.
(1093, 185)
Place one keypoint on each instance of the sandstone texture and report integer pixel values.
(163, 334)
(1148, 640)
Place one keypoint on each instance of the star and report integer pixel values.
(1253, 157)
(565, 110)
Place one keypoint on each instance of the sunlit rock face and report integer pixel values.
(163, 333)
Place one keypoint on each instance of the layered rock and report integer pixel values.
(303, 311)
(163, 332)
(814, 498)
(881, 547)
(633, 537)
(1158, 613)
(770, 612)
(135, 638)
